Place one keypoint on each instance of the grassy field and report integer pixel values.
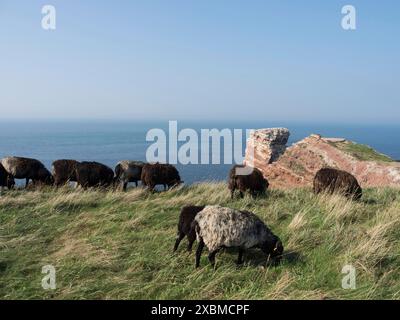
(107, 245)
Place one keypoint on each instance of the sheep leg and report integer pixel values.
(232, 193)
(150, 187)
(240, 257)
(178, 240)
(199, 251)
(165, 187)
(1, 190)
(211, 257)
(190, 244)
(241, 194)
(26, 182)
(125, 186)
(10, 185)
(136, 183)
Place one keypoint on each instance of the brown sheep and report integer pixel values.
(186, 218)
(28, 169)
(94, 174)
(157, 173)
(333, 180)
(6, 180)
(64, 171)
(254, 182)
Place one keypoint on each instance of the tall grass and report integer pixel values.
(115, 245)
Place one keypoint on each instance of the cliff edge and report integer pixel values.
(295, 166)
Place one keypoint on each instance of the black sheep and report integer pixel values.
(94, 174)
(157, 173)
(64, 171)
(254, 181)
(333, 180)
(188, 213)
(6, 180)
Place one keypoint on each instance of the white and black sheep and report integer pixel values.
(28, 169)
(128, 171)
(218, 227)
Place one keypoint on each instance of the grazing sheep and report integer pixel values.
(332, 180)
(218, 227)
(6, 180)
(157, 173)
(94, 174)
(64, 171)
(186, 218)
(28, 169)
(254, 182)
(128, 171)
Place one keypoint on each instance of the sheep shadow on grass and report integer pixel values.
(255, 258)
(292, 257)
(368, 201)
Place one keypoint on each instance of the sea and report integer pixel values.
(111, 141)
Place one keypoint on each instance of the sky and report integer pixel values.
(201, 60)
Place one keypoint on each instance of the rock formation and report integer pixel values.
(295, 166)
(265, 146)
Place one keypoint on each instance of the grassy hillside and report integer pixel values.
(119, 245)
(361, 151)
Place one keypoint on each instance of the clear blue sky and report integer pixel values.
(203, 59)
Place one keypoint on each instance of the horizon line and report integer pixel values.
(198, 120)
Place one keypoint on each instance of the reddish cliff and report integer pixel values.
(295, 166)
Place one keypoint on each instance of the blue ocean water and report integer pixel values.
(110, 141)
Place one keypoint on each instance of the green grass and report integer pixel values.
(119, 246)
(361, 151)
